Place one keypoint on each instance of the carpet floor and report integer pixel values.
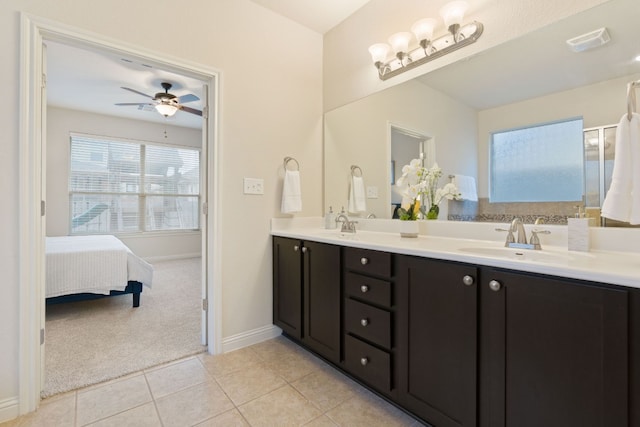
(89, 342)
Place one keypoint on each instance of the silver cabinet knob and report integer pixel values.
(364, 361)
(364, 322)
(467, 280)
(364, 289)
(304, 250)
(364, 261)
(295, 248)
(494, 285)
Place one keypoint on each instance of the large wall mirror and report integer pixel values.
(530, 80)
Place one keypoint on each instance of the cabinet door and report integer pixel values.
(437, 340)
(322, 299)
(554, 352)
(287, 285)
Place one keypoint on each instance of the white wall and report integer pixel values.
(358, 133)
(599, 104)
(270, 107)
(349, 73)
(60, 123)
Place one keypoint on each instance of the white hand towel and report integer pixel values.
(291, 195)
(467, 187)
(357, 198)
(622, 202)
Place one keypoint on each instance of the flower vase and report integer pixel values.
(433, 212)
(409, 228)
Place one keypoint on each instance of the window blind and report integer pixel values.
(119, 186)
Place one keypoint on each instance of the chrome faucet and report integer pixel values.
(521, 241)
(347, 226)
(518, 226)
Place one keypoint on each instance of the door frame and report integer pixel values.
(34, 32)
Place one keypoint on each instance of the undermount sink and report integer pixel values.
(524, 254)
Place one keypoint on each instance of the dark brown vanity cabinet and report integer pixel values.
(368, 317)
(437, 340)
(306, 293)
(554, 352)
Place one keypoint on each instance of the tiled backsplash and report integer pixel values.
(483, 211)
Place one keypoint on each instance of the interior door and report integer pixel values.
(204, 162)
(43, 192)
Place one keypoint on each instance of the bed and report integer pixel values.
(87, 267)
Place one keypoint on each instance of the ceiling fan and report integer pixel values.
(166, 103)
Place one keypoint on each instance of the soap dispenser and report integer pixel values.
(330, 219)
(578, 232)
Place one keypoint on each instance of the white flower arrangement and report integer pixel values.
(420, 181)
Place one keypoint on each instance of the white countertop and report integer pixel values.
(442, 240)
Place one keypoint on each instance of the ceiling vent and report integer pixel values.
(589, 40)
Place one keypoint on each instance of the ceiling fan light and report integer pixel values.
(166, 110)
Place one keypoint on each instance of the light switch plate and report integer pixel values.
(372, 192)
(253, 186)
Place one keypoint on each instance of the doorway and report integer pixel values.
(33, 190)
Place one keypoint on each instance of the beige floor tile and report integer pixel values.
(273, 349)
(255, 381)
(326, 388)
(295, 365)
(142, 416)
(60, 412)
(193, 405)
(367, 410)
(223, 364)
(321, 421)
(112, 398)
(231, 418)
(282, 407)
(176, 376)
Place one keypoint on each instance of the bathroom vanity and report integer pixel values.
(460, 333)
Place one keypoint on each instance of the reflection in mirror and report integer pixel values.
(407, 145)
(502, 88)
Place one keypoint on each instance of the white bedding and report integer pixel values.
(92, 264)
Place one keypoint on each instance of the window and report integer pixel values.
(120, 186)
(541, 163)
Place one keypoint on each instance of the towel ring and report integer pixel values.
(353, 170)
(290, 159)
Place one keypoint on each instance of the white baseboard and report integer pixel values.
(9, 409)
(153, 259)
(251, 337)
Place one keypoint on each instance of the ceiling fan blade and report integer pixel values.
(133, 103)
(188, 98)
(135, 91)
(191, 110)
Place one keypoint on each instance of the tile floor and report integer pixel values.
(274, 383)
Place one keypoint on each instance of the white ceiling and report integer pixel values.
(318, 15)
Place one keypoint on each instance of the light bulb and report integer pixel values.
(423, 29)
(400, 42)
(452, 13)
(379, 52)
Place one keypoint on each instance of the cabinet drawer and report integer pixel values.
(370, 323)
(367, 261)
(368, 363)
(371, 290)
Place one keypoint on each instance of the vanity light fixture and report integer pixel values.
(428, 48)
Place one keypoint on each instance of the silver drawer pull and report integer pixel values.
(295, 248)
(304, 250)
(364, 261)
(494, 285)
(364, 322)
(364, 288)
(364, 361)
(467, 280)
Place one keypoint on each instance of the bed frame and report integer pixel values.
(133, 287)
